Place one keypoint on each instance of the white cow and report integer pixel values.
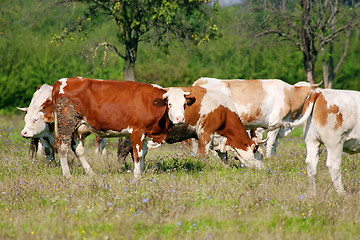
(263, 103)
(35, 125)
(332, 118)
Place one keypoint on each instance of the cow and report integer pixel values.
(37, 128)
(263, 103)
(106, 108)
(330, 117)
(213, 120)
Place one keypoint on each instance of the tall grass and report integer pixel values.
(179, 197)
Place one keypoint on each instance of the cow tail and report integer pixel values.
(56, 131)
(308, 109)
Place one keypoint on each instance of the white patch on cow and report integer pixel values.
(63, 85)
(213, 99)
(142, 137)
(157, 86)
(213, 83)
(140, 153)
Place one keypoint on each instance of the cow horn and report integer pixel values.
(260, 141)
(316, 84)
(22, 109)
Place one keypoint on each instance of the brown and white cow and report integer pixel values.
(112, 109)
(263, 103)
(213, 120)
(331, 117)
(37, 128)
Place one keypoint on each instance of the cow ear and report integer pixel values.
(160, 102)
(22, 109)
(190, 100)
(49, 117)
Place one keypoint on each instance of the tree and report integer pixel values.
(156, 21)
(310, 25)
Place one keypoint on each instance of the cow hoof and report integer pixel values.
(67, 175)
(137, 176)
(90, 173)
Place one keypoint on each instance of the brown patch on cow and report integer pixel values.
(297, 97)
(251, 117)
(68, 117)
(249, 93)
(192, 112)
(322, 112)
(48, 109)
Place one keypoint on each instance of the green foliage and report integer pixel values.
(28, 59)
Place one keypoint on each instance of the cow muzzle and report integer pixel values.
(179, 119)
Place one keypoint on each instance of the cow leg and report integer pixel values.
(138, 145)
(312, 159)
(63, 150)
(333, 162)
(79, 150)
(195, 146)
(100, 146)
(49, 150)
(271, 143)
(204, 144)
(125, 146)
(34, 144)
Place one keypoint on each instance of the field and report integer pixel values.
(180, 196)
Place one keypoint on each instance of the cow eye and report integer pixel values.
(170, 105)
(256, 148)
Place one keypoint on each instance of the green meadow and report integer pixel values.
(180, 196)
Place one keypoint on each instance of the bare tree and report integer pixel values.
(310, 25)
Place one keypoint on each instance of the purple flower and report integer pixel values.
(145, 200)
(125, 189)
(301, 197)
(110, 204)
(179, 223)
(209, 197)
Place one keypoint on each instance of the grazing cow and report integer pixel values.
(263, 103)
(111, 109)
(37, 128)
(332, 118)
(35, 125)
(213, 120)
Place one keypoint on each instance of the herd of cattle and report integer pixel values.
(215, 112)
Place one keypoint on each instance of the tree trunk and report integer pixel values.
(129, 71)
(325, 68)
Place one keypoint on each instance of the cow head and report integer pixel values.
(35, 124)
(252, 156)
(176, 100)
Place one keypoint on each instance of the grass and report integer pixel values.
(179, 197)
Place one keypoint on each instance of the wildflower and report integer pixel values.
(110, 204)
(179, 223)
(145, 200)
(266, 199)
(242, 165)
(125, 189)
(301, 197)
(209, 197)
(104, 175)
(194, 224)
